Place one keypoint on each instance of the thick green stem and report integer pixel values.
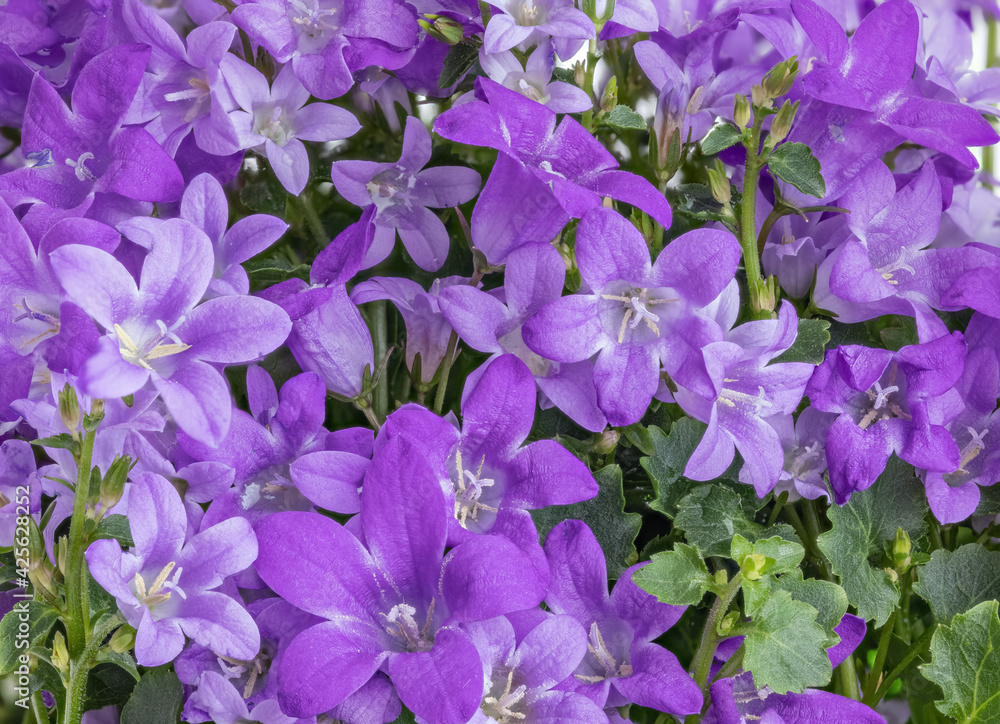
(701, 665)
(992, 60)
(913, 652)
(380, 401)
(449, 357)
(76, 599)
(80, 669)
(814, 531)
(847, 675)
(748, 224)
(874, 678)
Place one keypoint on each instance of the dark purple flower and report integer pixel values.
(637, 316)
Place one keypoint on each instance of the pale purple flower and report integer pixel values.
(523, 23)
(534, 80)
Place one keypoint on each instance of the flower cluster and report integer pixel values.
(236, 383)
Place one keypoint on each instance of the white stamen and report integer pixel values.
(82, 172)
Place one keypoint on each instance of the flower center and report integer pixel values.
(501, 708)
(159, 345)
(401, 624)
(151, 597)
(468, 489)
(533, 92)
(883, 405)
(198, 93)
(51, 322)
(803, 460)
(735, 398)
(391, 188)
(311, 19)
(969, 453)
(636, 304)
(599, 650)
(253, 670)
(906, 255)
(277, 126)
(82, 172)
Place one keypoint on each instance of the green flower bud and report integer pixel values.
(782, 124)
(741, 111)
(122, 640)
(609, 99)
(780, 78)
(444, 29)
(901, 548)
(69, 411)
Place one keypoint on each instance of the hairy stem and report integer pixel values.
(913, 652)
(40, 714)
(847, 675)
(380, 398)
(80, 669)
(701, 665)
(76, 598)
(874, 678)
(748, 224)
(449, 356)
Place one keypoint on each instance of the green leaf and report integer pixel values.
(109, 684)
(156, 699)
(810, 343)
(62, 441)
(641, 437)
(123, 661)
(40, 619)
(826, 597)
(679, 577)
(712, 514)
(696, 201)
(965, 663)
(564, 75)
(614, 529)
(457, 62)
(720, 138)
(955, 581)
(784, 646)
(665, 466)
(861, 529)
(623, 118)
(786, 554)
(795, 164)
(273, 270)
(115, 527)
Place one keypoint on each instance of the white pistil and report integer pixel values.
(906, 255)
(599, 650)
(240, 667)
(154, 349)
(403, 625)
(759, 401)
(637, 303)
(467, 505)
(882, 405)
(503, 706)
(82, 172)
(38, 316)
(972, 449)
(152, 597)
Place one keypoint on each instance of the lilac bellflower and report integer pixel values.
(164, 585)
(523, 23)
(402, 193)
(273, 120)
(534, 80)
(637, 316)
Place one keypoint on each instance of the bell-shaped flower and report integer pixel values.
(20, 488)
(402, 193)
(87, 151)
(164, 585)
(523, 23)
(204, 204)
(393, 603)
(224, 705)
(491, 322)
(637, 316)
(805, 454)
(327, 40)
(490, 478)
(534, 79)
(873, 70)
(521, 673)
(273, 120)
(544, 175)
(622, 664)
(747, 390)
(157, 330)
(889, 402)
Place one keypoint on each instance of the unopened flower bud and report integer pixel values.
(93, 419)
(741, 111)
(763, 297)
(609, 99)
(901, 548)
(780, 78)
(122, 640)
(753, 566)
(580, 74)
(719, 183)
(442, 28)
(782, 124)
(728, 623)
(721, 577)
(69, 410)
(605, 442)
(60, 654)
(113, 482)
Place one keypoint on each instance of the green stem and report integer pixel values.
(748, 224)
(76, 599)
(701, 665)
(913, 652)
(38, 710)
(778, 505)
(449, 355)
(79, 669)
(847, 675)
(874, 677)
(380, 400)
(732, 666)
(770, 220)
(992, 60)
(313, 222)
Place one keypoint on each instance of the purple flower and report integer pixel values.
(158, 330)
(737, 700)
(533, 276)
(224, 705)
(274, 120)
(544, 176)
(873, 72)
(401, 193)
(326, 40)
(623, 665)
(164, 585)
(87, 150)
(805, 456)
(204, 204)
(523, 23)
(534, 80)
(17, 471)
(637, 316)
(888, 402)
(521, 673)
(490, 478)
(394, 602)
(747, 391)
